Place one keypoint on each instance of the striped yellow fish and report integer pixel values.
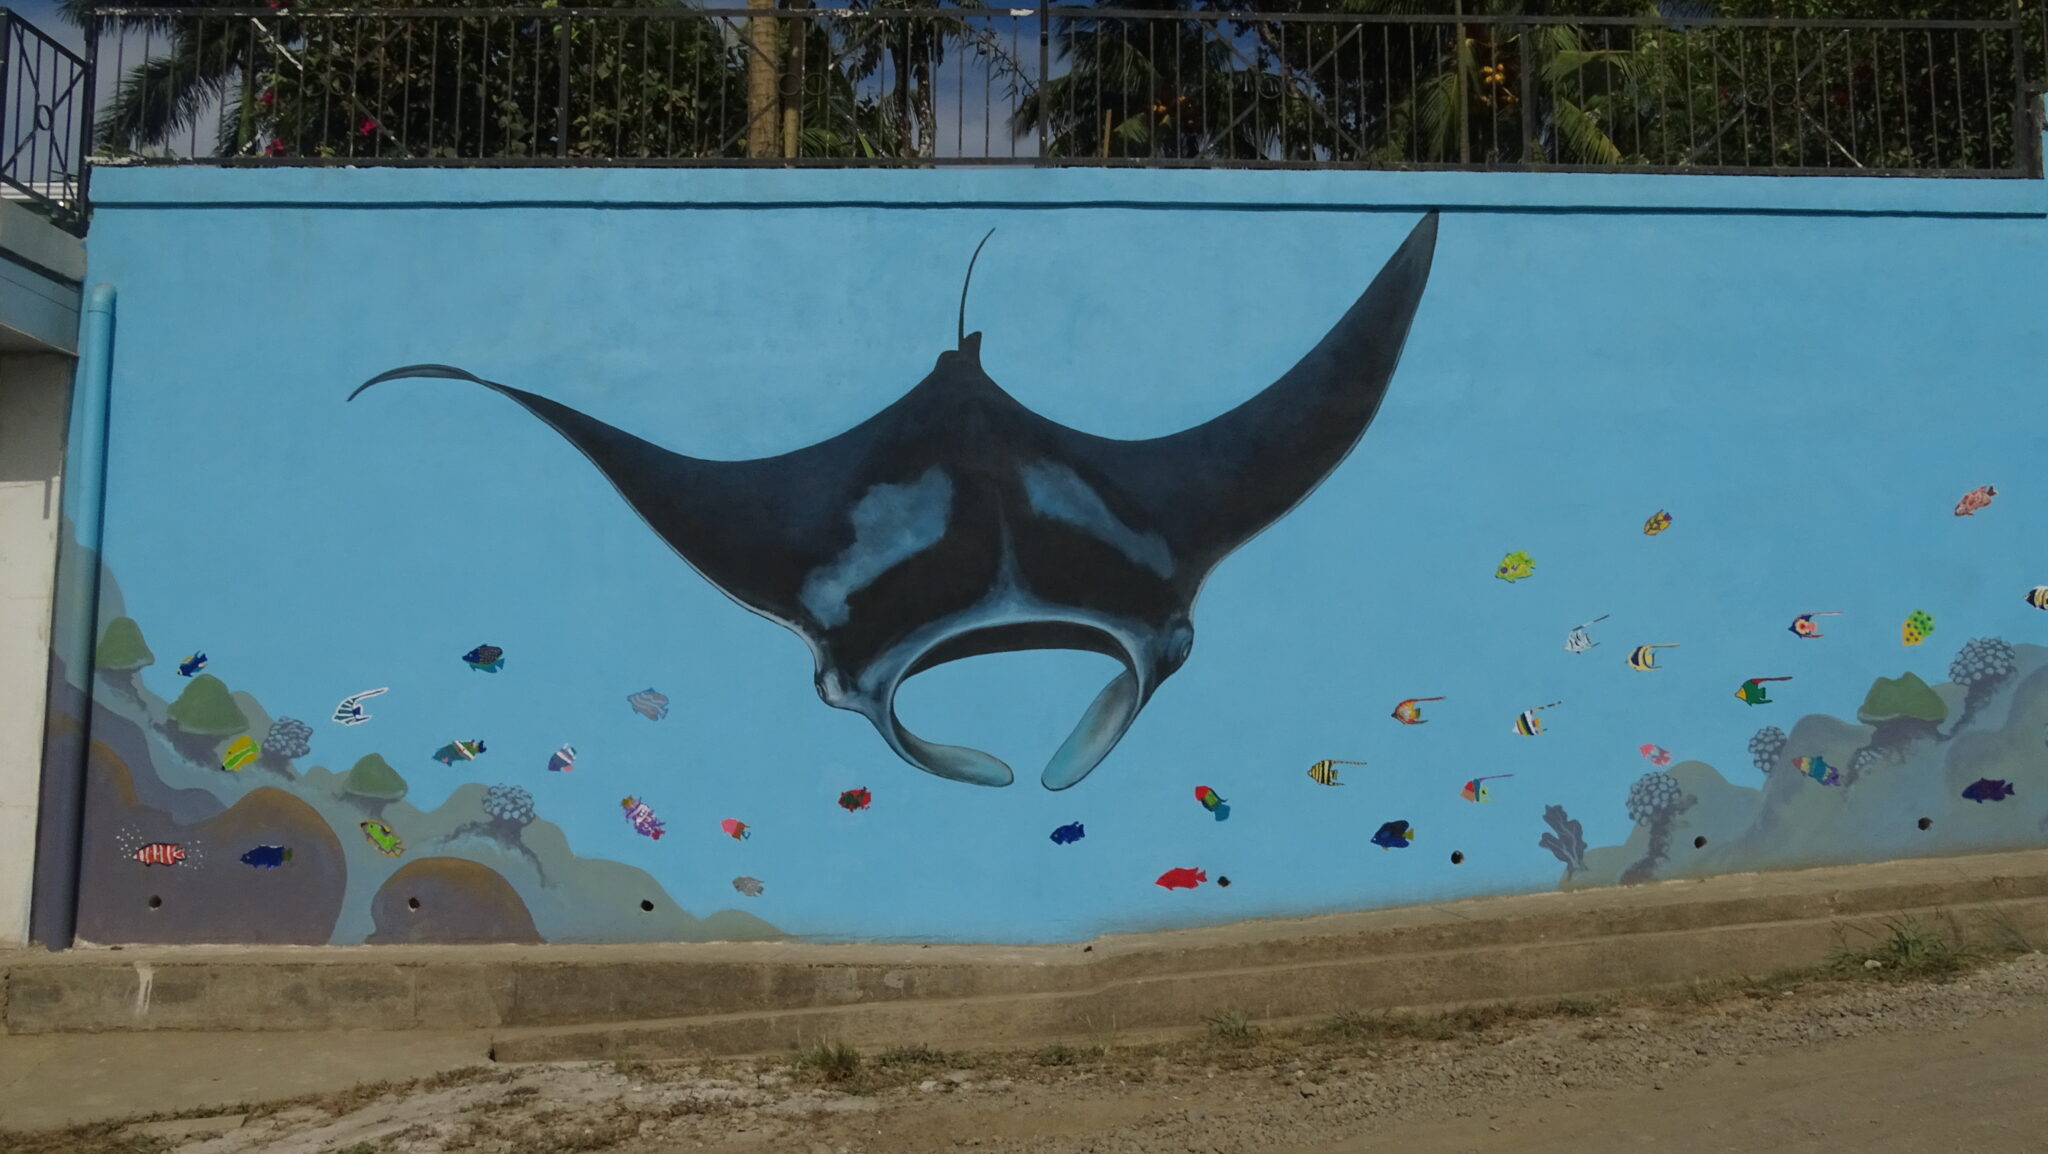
(1644, 657)
(240, 752)
(1324, 772)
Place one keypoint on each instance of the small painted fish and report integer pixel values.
(485, 658)
(383, 837)
(1657, 524)
(456, 751)
(1578, 640)
(1975, 499)
(1528, 724)
(350, 711)
(1183, 878)
(192, 664)
(562, 760)
(160, 853)
(1988, 789)
(1409, 712)
(1919, 624)
(267, 857)
(1213, 802)
(1476, 791)
(751, 887)
(1643, 658)
(1515, 566)
(240, 752)
(856, 799)
(644, 822)
(1324, 772)
(2038, 597)
(1394, 835)
(735, 829)
(649, 704)
(1803, 625)
(1818, 769)
(1752, 692)
(1656, 754)
(1068, 834)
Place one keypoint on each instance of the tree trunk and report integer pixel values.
(764, 70)
(792, 83)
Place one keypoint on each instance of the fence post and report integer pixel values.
(2026, 124)
(562, 84)
(1530, 157)
(7, 20)
(88, 106)
(1044, 71)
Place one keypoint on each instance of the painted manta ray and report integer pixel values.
(957, 522)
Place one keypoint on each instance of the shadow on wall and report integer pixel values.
(180, 848)
(1960, 767)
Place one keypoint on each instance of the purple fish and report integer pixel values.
(1987, 789)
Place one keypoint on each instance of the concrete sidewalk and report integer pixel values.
(224, 1024)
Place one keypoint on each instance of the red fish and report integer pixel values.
(856, 799)
(1182, 879)
(1409, 712)
(161, 853)
(1975, 499)
(736, 828)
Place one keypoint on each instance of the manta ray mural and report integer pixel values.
(956, 522)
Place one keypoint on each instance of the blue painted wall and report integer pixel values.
(1806, 373)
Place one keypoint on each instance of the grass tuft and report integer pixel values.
(1233, 1027)
(832, 1061)
(1906, 949)
(918, 1055)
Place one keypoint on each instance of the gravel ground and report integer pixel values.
(1686, 1066)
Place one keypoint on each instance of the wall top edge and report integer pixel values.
(168, 188)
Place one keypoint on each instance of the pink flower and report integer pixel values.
(276, 147)
(268, 98)
(366, 127)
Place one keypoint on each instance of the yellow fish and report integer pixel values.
(1657, 524)
(1515, 566)
(240, 752)
(1644, 657)
(1918, 625)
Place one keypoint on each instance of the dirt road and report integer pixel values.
(1870, 1065)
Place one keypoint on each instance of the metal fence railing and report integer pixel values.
(45, 121)
(1671, 87)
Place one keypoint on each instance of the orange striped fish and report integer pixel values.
(160, 853)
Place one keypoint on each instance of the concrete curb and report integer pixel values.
(558, 1002)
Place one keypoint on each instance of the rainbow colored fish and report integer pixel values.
(1476, 791)
(1919, 624)
(1213, 802)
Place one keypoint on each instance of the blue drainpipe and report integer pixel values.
(74, 630)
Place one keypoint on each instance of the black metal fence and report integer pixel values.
(1189, 84)
(45, 121)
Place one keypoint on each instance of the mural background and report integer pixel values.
(1806, 379)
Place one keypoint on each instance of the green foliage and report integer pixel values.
(1905, 949)
(121, 648)
(207, 709)
(1903, 696)
(918, 1055)
(373, 778)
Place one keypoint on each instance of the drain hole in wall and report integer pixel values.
(1224, 882)
(1699, 843)
(1457, 857)
(412, 903)
(155, 901)
(1926, 822)
(646, 906)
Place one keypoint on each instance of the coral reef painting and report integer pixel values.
(1912, 752)
(496, 871)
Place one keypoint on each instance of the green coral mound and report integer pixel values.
(1906, 695)
(373, 778)
(121, 648)
(207, 709)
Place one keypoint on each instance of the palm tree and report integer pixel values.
(878, 37)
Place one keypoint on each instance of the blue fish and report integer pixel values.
(1394, 835)
(1988, 789)
(192, 664)
(1068, 834)
(267, 857)
(485, 658)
